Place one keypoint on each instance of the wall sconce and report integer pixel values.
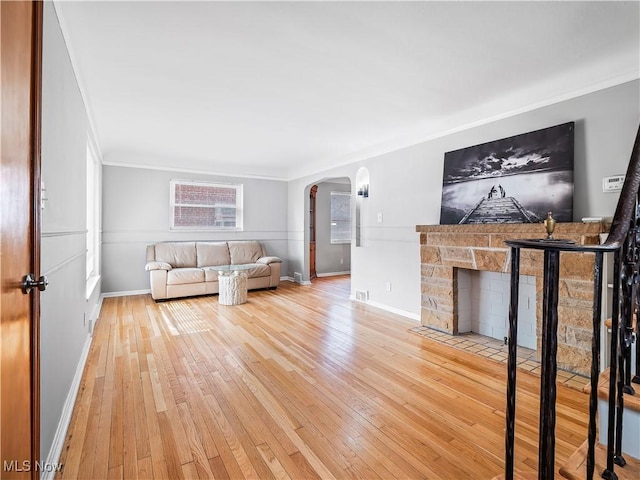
(363, 191)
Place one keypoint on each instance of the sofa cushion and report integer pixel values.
(177, 254)
(244, 252)
(259, 270)
(212, 253)
(181, 276)
(210, 275)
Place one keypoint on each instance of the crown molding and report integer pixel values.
(195, 171)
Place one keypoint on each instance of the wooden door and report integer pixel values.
(21, 39)
(312, 231)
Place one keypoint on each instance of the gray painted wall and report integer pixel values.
(330, 258)
(136, 214)
(406, 188)
(65, 310)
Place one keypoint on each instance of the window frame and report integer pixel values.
(339, 241)
(203, 183)
(93, 240)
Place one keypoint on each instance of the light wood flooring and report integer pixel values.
(298, 383)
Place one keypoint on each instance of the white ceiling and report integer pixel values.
(285, 89)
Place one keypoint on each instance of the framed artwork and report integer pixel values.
(513, 180)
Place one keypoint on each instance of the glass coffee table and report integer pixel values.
(232, 283)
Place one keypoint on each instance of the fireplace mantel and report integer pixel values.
(445, 248)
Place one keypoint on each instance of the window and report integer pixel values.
(340, 217)
(203, 205)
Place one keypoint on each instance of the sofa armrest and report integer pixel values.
(158, 281)
(269, 260)
(157, 266)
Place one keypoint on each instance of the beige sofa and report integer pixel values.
(181, 269)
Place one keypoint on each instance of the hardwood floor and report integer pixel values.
(298, 383)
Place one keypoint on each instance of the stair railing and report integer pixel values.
(623, 242)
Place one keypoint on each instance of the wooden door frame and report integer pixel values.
(28, 158)
(313, 231)
(36, 210)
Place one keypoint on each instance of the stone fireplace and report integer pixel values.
(446, 248)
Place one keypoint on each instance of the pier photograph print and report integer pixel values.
(517, 179)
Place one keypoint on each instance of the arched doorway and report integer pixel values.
(328, 228)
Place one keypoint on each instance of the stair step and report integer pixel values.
(631, 402)
(608, 322)
(576, 466)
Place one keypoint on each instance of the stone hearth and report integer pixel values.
(445, 248)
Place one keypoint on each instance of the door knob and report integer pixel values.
(29, 282)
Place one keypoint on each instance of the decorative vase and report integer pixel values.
(550, 225)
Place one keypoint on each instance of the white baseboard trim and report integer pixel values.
(65, 419)
(292, 280)
(333, 274)
(397, 311)
(125, 294)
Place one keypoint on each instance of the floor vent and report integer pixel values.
(297, 277)
(362, 295)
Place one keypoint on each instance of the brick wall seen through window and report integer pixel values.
(206, 205)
